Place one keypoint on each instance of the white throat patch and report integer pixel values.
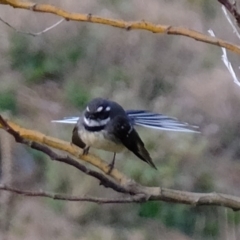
(95, 123)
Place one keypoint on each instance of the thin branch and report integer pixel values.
(232, 8)
(30, 33)
(64, 197)
(104, 180)
(140, 25)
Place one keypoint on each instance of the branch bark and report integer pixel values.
(64, 197)
(134, 25)
(118, 181)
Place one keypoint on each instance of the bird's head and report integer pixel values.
(97, 113)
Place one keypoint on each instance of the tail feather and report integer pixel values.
(123, 131)
(67, 120)
(159, 121)
(143, 154)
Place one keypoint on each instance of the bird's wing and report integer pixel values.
(68, 120)
(76, 140)
(121, 129)
(159, 121)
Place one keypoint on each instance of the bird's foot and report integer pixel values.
(85, 151)
(110, 168)
(111, 165)
(79, 153)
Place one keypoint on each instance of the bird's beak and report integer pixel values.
(91, 116)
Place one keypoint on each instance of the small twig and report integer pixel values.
(226, 62)
(15, 134)
(64, 197)
(31, 33)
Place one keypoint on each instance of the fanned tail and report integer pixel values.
(149, 120)
(159, 121)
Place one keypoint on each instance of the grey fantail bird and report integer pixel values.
(105, 125)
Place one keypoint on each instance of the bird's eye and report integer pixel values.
(101, 113)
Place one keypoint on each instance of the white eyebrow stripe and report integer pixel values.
(87, 109)
(108, 108)
(99, 109)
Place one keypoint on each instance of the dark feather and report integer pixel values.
(121, 129)
(76, 140)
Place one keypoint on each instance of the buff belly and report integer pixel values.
(98, 140)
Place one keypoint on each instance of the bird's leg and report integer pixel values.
(85, 150)
(111, 165)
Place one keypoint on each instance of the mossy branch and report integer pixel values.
(116, 180)
(132, 25)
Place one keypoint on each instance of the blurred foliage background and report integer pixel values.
(55, 74)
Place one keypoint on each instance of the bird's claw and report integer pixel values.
(110, 168)
(85, 151)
